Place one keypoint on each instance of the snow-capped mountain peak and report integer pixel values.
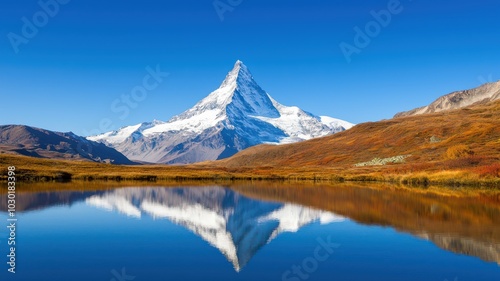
(240, 90)
(237, 115)
(239, 72)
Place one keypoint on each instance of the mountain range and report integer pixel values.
(238, 115)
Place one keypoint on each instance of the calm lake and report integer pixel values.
(253, 232)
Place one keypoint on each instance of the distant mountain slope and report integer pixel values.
(35, 142)
(482, 94)
(238, 115)
(425, 137)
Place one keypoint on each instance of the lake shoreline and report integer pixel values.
(411, 182)
(30, 169)
(408, 180)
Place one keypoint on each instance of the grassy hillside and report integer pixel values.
(456, 147)
(459, 142)
(426, 137)
(37, 169)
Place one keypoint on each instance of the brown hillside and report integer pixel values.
(40, 143)
(429, 139)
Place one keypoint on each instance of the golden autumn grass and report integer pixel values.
(453, 147)
(460, 147)
(35, 169)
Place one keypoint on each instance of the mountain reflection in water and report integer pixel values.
(239, 220)
(234, 224)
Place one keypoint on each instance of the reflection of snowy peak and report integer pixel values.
(238, 115)
(236, 225)
(112, 202)
(292, 217)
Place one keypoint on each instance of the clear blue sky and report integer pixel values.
(90, 53)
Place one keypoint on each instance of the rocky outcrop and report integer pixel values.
(383, 161)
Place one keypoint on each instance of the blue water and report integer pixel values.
(123, 238)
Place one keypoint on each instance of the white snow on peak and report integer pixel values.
(300, 125)
(118, 136)
(122, 134)
(194, 124)
(239, 111)
(240, 71)
(334, 122)
(211, 110)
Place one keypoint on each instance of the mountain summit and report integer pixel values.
(237, 115)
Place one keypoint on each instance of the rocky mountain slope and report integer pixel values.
(482, 94)
(35, 142)
(238, 115)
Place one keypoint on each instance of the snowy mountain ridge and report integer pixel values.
(237, 115)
